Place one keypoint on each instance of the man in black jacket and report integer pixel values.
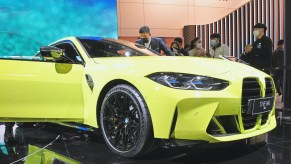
(153, 43)
(261, 51)
(278, 63)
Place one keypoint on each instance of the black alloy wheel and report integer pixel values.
(125, 122)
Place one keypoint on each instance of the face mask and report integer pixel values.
(213, 43)
(175, 50)
(256, 33)
(199, 45)
(144, 40)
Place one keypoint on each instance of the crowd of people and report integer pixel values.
(259, 54)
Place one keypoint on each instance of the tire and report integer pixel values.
(125, 122)
(25, 124)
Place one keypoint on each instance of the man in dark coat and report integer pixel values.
(278, 63)
(261, 51)
(153, 43)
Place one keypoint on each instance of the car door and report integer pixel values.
(33, 88)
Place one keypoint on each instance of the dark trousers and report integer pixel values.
(278, 79)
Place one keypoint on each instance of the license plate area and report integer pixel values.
(260, 105)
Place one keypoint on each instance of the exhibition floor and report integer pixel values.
(58, 144)
(67, 146)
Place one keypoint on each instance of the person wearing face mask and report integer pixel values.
(196, 48)
(217, 48)
(176, 48)
(182, 50)
(261, 51)
(153, 43)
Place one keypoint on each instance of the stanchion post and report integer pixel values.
(287, 63)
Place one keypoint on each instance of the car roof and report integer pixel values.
(129, 44)
(89, 37)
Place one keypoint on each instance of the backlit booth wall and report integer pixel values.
(236, 28)
(25, 25)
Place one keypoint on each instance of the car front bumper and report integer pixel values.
(211, 116)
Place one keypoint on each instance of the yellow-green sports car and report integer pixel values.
(136, 97)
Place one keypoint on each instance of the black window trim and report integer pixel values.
(73, 45)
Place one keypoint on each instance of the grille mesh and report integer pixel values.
(251, 89)
(269, 88)
(269, 92)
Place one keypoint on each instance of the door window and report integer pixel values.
(71, 54)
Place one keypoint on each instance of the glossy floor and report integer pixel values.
(58, 145)
(55, 144)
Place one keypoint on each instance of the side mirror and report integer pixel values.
(50, 52)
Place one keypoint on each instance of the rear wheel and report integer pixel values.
(125, 122)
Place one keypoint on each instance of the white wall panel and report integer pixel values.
(163, 16)
(170, 14)
(132, 18)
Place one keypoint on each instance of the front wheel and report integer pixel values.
(125, 122)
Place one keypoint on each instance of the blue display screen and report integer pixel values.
(27, 25)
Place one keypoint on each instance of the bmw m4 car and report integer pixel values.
(134, 96)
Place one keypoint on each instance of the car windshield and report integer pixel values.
(114, 48)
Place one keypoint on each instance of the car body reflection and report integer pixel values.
(64, 145)
(45, 156)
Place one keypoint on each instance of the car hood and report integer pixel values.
(190, 65)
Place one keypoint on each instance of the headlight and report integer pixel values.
(188, 81)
